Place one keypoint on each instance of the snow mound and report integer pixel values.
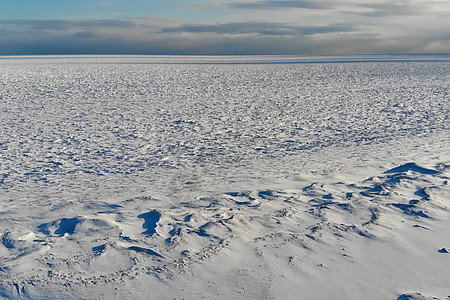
(411, 167)
(318, 226)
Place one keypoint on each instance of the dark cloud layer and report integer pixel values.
(211, 44)
(66, 24)
(265, 4)
(377, 9)
(275, 4)
(393, 9)
(258, 28)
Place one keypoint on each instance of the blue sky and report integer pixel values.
(94, 9)
(305, 27)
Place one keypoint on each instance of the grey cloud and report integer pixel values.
(274, 4)
(85, 34)
(235, 28)
(393, 9)
(67, 24)
(213, 45)
(279, 4)
(124, 42)
(379, 9)
(258, 28)
(327, 29)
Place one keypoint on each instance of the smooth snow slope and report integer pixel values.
(225, 177)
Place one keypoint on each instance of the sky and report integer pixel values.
(224, 27)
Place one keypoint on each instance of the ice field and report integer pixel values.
(245, 177)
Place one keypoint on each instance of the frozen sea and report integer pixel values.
(121, 175)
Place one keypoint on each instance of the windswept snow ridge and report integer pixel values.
(324, 227)
(125, 177)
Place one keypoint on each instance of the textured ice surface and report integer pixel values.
(73, 125)
(193, 149)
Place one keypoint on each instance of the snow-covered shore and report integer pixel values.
(225, 178)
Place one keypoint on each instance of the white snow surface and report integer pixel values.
(257, 177)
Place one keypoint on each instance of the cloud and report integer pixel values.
(115, 37)
(277, 4)
(264, 4)
(368, 8)
(327, 29)
(393, 9)
(67, 24)
(258, 28)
